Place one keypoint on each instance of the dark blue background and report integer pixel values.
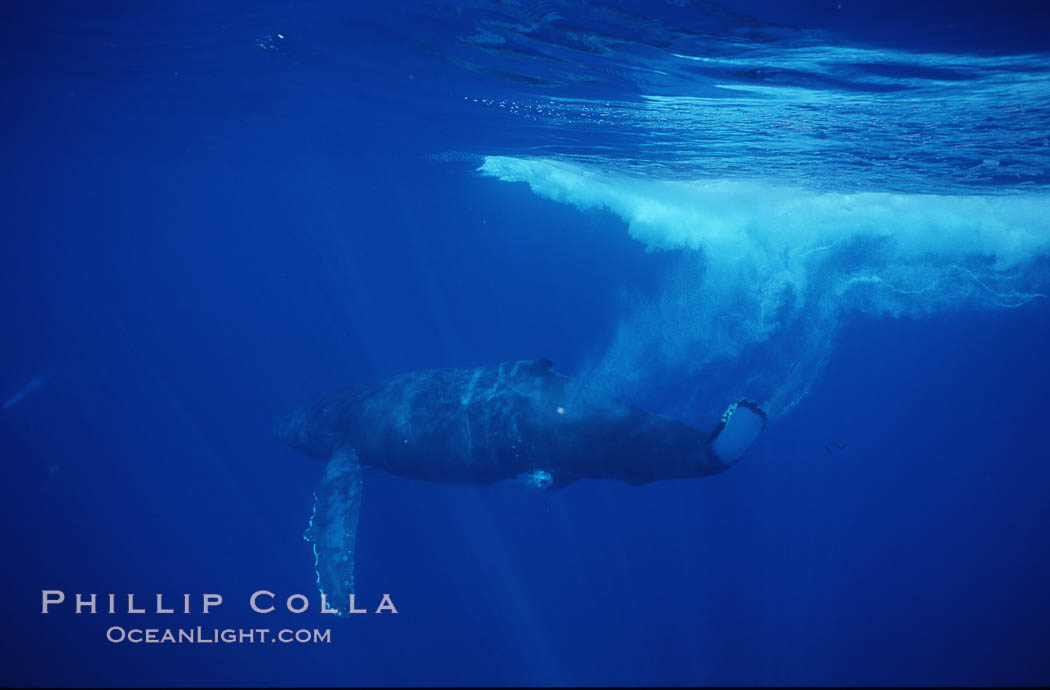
(185, 257)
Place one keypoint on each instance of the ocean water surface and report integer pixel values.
(215, 211)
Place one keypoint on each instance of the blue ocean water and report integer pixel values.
(216, 211)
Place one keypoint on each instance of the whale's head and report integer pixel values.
(302, 429)
(741, 424)
(291, 429)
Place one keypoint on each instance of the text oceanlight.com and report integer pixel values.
(201, 635)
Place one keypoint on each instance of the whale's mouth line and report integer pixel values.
(740, 425)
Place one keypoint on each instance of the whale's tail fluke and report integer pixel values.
(741, 424)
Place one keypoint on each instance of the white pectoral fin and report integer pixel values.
(333, 527)
(741, 425)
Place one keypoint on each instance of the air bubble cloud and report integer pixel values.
(766, 273)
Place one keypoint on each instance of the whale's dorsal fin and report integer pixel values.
(333, 527)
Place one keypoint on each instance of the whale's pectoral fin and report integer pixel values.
(333, 527)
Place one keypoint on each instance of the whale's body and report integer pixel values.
(492, 423)
(481, 426)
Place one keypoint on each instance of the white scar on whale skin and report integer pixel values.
(33, 384)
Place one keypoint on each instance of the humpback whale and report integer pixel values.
(484, 425)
